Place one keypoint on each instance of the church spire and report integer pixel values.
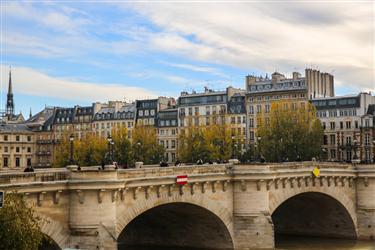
(10, 103)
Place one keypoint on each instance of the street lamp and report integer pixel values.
(109, 139)
(112, 149)
(71, 139)
(259, 140)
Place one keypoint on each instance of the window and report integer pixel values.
(6, 149)
(325, 140)
(367, 139)
(173, 144)
(207, 110)
(251, 109)
(140, 113)
(333, 153)
(341, 125)
(251, 99)
(28, 149)
(233, 120)
(348, 124)
(28, 162)
(5, 162)
(332, 124)
(356, 124)
(152, 112)
(190, 111)
(162, 132)
(17, 149)
(5, 138)
(239, 119)
(196, 110)
(251, 122)
(332, 139)
(17, 138)
(252, 135)
(324, 125)
(367, 123)
(267, 108)
(214, 110)
(17, 162)
(28, 138)
(348, 140)
(259, 98)
(146, 113)
(259, 108)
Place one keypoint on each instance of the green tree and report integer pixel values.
(145, 145)
(293, 131)
(19, 227)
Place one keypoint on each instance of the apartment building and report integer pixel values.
(147, 110)
(113, 115)
(17, 146)
(261, 92)
(347, 123)
(168, 133)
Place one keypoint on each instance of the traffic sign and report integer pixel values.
(316, 172)
(181, 179)
(1, 198)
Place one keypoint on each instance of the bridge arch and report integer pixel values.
(54, 230)
(215, 207)
(314, 213)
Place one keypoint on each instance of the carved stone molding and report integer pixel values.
(243, 185)
(100, 195)
(40, 198)
(56, 196)
(81, 196)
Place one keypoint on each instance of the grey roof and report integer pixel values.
(371, 109)
(14, 128)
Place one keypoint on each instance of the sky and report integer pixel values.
(65, 53)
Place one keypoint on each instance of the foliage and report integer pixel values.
(89, 151)
(122, 151)
(145, 145)
(209, 143)
(19, 228)
(292, 131)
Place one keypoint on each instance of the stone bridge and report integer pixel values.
(222, 206)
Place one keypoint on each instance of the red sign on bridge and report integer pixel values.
(181, 179)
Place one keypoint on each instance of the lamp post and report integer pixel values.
(109, 139)
(71, 139)
(259, 138)
(112, 150)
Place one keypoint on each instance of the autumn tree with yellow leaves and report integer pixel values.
(206, 143)
(145, 145)
(293, 132)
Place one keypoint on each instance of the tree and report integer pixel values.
(123, 154)
(209, 143)
(192, 145)
(293, 131)
(145, 145)
(19, 227)
(89, 151)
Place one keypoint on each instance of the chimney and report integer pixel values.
(296, 75)
(277, 77)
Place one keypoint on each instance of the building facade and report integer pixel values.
(347, 126)
(17, 146)
(168, 133)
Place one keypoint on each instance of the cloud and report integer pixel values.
(195, 68)
(35, 83)
(266, 37)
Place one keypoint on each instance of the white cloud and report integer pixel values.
(269, 36)
(35, 83)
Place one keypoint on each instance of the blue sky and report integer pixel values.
(77, 52)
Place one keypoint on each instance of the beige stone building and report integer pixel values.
(347, 124)
(17, 146)
(112, 115)
(168, 133)
(261, 92)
